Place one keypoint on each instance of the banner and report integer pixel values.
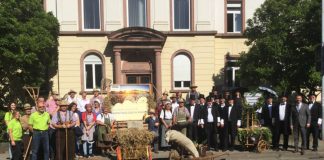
(130, 101)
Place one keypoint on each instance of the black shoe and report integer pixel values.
(302, 152)
(314, 150)
(91, 155)
(231, 149)
(296, 150)
(284, 149)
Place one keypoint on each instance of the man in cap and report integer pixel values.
(24, 123)
(38, 124)
(194, 110)
(230, 121)
(266, 117)
(64, 121)
(95, 97)
(71, 96)
(211, 120)
(300, 120)
(316, 120)
(280, 121)
(192, 93)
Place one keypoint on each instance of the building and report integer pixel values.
(168, 43)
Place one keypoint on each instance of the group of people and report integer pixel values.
(62, 128)
(58, 128)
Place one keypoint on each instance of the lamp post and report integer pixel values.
(322, 68)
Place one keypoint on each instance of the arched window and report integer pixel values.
(182, 71)
(93, 71)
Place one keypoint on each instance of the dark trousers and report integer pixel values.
(17, 150)
(314, 130)
(201, 135)
(281, 130)
(40, 138)
(232, 132)
(65, 149)
(211, 132)
(223, 137)
(192, 131)
(302, 130)
(51, 134)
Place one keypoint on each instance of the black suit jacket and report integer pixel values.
(276, 116)
(214, 111)
(196, 113)
(265, 115)
(235, 115)
(316, 112)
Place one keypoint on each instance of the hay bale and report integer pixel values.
(182, 140)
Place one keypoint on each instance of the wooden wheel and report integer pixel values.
(262, 146)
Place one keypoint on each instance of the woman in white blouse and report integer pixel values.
(166, 123)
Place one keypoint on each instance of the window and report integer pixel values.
(138, 79)
(181, 14)
(234, 17)
(93, 72)
(136, 13)
(91, 14)
(181, 71)
(232, 76)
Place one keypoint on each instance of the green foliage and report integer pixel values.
(284, 40)
(28, 48)
(252, 135)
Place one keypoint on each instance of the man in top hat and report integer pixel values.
(71, 96)
(96, 96)
(64, 121)
(24, 123)
(316, 120)
(266, 117)
(201, 130)
(238, 101)
(192, 93)
(281, 121)
(230, 121)
(211, 120)
(174, 102)
(194, 110)
(221, 108)
(300, 120)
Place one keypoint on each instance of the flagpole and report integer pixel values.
(322, 63)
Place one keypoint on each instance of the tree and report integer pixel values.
(28, 48)
(284, 40)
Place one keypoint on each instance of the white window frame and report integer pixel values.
(234, 12)
(233, 69)
(173, 26)
(182, 82)
(93, 73)
(128, 16)
(82, 9)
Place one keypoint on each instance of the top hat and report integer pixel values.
(311, 93)
(192, 97)
(201, 96)
(230, 97)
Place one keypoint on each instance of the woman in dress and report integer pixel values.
(89, 121)
(105, 122)
(166, 123)
(73, 108)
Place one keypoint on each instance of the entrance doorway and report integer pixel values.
(138, 79)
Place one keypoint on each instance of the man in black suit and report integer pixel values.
(194, 111)
(300, 120)
(230, 121)
(316, 121)
(201, 130)
(211, 121)
(281, 121)
(222, 131)
(266, 117)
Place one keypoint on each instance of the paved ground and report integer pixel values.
(238, 155)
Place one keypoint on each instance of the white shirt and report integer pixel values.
(298, 106)
(192, 110)
(70, 100)
(210, 117)
(82, 103)
(229, 111)
(168, 114)
(282, 111)
(102, 118)
(310, 105)
(174, 106)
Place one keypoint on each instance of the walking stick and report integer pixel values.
(28, 147)
(66, 144)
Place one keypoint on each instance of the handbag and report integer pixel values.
(78, 131)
